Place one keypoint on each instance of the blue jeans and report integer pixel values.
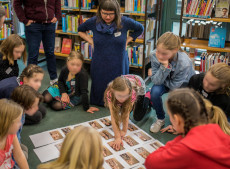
(35, 33)
(156, 92)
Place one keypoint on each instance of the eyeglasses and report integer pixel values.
(108, 14)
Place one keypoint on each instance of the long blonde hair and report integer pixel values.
(81, 149)
(217, 116)
(221, 71)
(170, 41)
(119, 84)
(9, 111)
(8, 45)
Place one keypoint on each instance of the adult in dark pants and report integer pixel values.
(110, 58)
(39, 18)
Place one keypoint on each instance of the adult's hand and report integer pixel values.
(29, 22)
(54, 20)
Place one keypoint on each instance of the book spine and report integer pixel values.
(63, 22)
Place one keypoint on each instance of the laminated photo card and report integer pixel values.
(137, 144)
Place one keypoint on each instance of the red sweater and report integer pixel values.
(205, 146)
(37, 10)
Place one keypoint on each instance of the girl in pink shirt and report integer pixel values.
(10, 122)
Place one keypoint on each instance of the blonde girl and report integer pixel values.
(119, 97)
(11, 49)
(171, 68)
(200, 145)
(81, 149)
(72, 86)
(10, 122)
(214, 85)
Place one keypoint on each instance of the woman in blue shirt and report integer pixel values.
(109, 42)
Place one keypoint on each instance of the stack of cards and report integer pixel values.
(137, 144)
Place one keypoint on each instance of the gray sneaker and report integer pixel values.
(53, 81)
(155, 127)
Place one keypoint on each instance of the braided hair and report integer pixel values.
(189, 105)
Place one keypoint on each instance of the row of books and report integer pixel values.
(135, 6)
(198, 8)
(73, 4)
(135, 54)
(207, 60)
(70, 23)
(199, 29)
(5, 32)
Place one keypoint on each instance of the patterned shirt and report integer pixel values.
(6, 161)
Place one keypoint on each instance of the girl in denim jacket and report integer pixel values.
(171, 68)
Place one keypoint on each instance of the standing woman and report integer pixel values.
(2, 16)
(109, 41)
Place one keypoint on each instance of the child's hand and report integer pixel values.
(92, 109)
(65, 98)
(165, 63)
(150, 73)
(122, 133)
(117, 144)
(169, 129)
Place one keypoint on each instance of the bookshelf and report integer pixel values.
(6, 29)
(148, 11)
(197, 43)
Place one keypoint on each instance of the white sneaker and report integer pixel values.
(53, 81)
(155, 127)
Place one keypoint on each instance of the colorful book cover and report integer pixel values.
(66, 46)
(217, 37)
(222, 9)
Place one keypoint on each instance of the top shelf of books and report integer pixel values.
(210, 19)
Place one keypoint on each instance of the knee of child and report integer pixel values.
(156, 91)
(56, 105)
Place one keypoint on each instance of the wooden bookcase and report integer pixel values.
(148, 12)
(201, 44)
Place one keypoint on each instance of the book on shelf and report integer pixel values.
(66, 46)
(86, 4)
(57, 46)
(41, 46)
(217, 37)
(135, 54)
(77, 47)
(86, 50)
(222, 8)
(198, 8)
(135, 6)
(8, 10)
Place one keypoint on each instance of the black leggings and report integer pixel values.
(140, 107)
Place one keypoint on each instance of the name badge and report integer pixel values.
(117, 34)
(204, 94)
(8, 70)
(72, 83)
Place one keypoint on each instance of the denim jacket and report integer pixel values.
(180, 71)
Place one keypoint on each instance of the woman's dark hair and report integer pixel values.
(110, 5)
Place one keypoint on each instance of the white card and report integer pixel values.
(117, 34)
(8, 70)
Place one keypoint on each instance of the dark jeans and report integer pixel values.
(156, 92)
(35, 33)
